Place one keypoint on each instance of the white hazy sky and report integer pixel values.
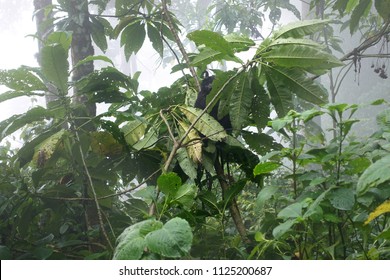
(17, 48)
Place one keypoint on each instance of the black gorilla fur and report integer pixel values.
(200, 102)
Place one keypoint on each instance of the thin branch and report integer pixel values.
(369, 42)
(98, 209)
(106, 196)
(179, 43)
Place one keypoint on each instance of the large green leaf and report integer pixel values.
(342, 198)
(301, 56)
(265, 168)
(281, 95)
(206, 125)
(362, 8)
(186, 164)
(294, 79)
(261, 143)
(133, 131)
(283, 228)
(148, 141)
(239, 42)
(264, 195)
(60, 37)
(173, 240)
(20, 80)
(169, 183)
(210, 200)
(374, 175)
(295, 41)
(131, 243)
(133, 37)
(55, 66)
(212, 40)
(240, 102)
(155, 37)
(98, 33)
(16, 122)
(185, 195)
(291, 211)
(14, 94)
(300, 29)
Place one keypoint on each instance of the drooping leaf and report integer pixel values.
(186, 163)
(16, 122)
(98, 33)
(383, 120)
(133, 37)
(20, 80)
(104, 143)
(55, 66)
(206, 125)
(362, 8)
(173, 240)
(374, 175)
(192, 143)
(155, 37)
(14, 94)
(233, 191)
(281, 95)
(340, 5)
(294, 79)
(261, 143)
(312, 209)
(240, 102)
(383, 8)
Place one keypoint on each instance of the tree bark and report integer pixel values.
(81, 48)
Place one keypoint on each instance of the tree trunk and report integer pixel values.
(81, 48)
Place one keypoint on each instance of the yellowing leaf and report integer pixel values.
(133, 131)
(46, 149)
(206, 125)
(193, 143)
(381, 209)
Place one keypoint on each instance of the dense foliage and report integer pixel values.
(152, 177)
